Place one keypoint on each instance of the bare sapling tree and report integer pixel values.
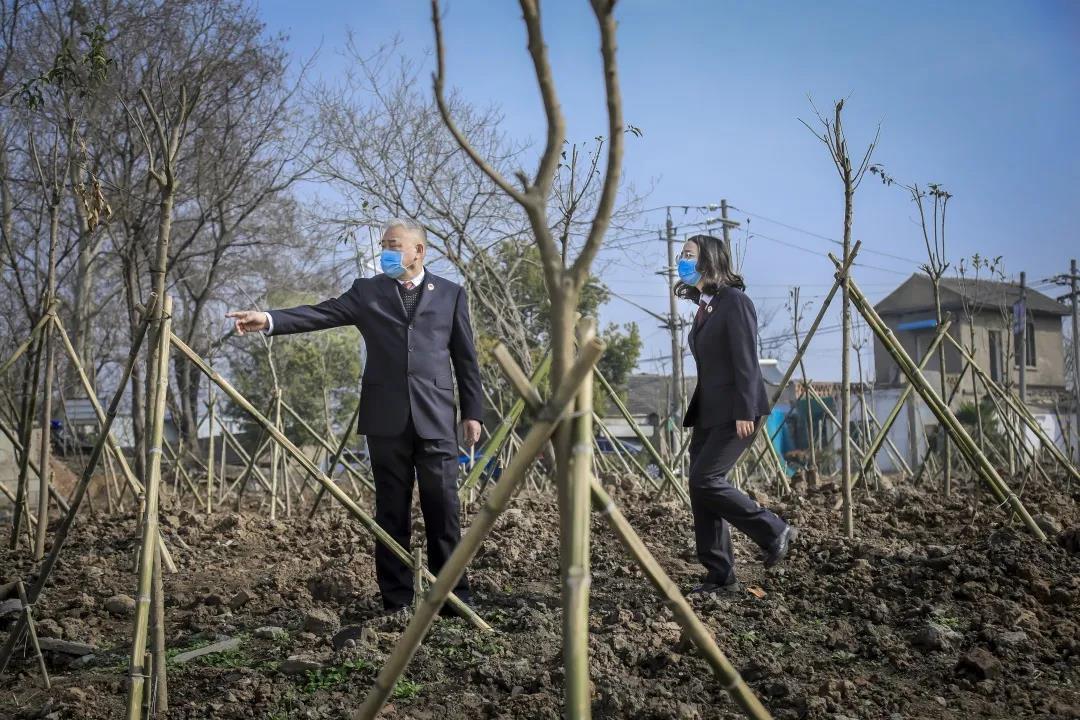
(832, 136)
(932, 225)
(564, 277)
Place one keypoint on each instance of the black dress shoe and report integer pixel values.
(448, 610)
(779, 549)
(732, 588)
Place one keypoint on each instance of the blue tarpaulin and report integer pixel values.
(781, 440)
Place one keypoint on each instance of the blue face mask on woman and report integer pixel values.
(390, 261)
(688, 271)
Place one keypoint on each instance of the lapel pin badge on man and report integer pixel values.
(431, 286)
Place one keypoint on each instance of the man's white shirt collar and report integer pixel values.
(416, 280)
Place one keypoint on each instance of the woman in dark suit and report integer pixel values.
(729, 403)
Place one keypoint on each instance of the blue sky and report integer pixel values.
(983, 97)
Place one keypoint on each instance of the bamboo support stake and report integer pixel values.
(111, 445)
(669, 476)
(41, 530)
(275, 455)
(138, 668)
(27, 343)
(890, 446)
(899, 406)
(616, 446)
(251, 467)
(498, 438)
(31, 374)
(574, 553)
(505, 429)
(210, 450)
(1023, 412)
(481, 525)
(983, 468)
(366, 520)
(17, 446)
(260, 448)
(31, 630)
(729, 677)
(325, 444)
(335, 459)
(80, 490)
(183, 473)
(804, 346)
(157, 635)
(731, 681)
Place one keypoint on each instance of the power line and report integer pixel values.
(817, 253)
(822, 237)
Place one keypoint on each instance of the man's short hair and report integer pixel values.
(407, 224)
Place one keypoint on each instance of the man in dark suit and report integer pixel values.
(418, 336)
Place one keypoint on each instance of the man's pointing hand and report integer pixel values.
(249, 320)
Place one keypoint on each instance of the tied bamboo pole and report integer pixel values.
(335, 458)
(111, 445)
(305, 462)
(438, 591)
(574, 553)
(31, 632)
(138, 671)
(699, 634)
(27, 343)
(31, 374)
(80, 490)
(805, 345)
(275, 453)
(46, 416)
(210, 450)
(669, 476)
(325, 444)
(983, 468)
(731, 681)
(1022, 410)
(506, 427)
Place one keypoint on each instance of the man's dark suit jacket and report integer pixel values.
(408, 368)
(724, 345)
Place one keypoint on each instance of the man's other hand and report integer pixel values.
(249, 320)
(470, 432)
(744, 428)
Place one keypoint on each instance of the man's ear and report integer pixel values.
(421, 250)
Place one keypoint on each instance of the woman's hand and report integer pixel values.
(744, 428)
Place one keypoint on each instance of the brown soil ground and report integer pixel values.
(930, 613)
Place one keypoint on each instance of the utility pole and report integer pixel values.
(1075, 296)
(676, 404)
(1073, 279)
(1021, 350)
(724, 222)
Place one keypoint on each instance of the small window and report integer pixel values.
(1029, 355)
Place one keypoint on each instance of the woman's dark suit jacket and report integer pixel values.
(724, 345)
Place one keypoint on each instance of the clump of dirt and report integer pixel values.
(931, 612)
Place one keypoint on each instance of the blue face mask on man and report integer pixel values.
(688, 271)
(390, 261)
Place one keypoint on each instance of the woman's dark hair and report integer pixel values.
(714, 264)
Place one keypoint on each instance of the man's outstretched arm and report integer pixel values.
(331, 313)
